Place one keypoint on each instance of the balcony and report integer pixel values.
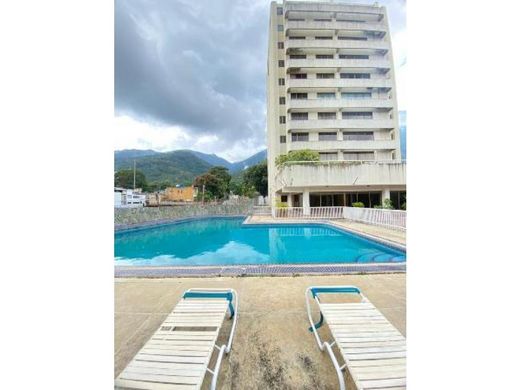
(335, 44)
(344, 145)
(341, 124)
(333, 7)
(339, 83)
(339, 103)
(338, 63)
(334, 25)
(330, 174)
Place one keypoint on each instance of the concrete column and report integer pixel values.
(385, 195)
(289, 200)
(306, 202)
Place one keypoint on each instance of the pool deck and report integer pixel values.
(272, 348)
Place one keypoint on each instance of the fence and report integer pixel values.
(314, 213)
(382, 217)
(130, 216)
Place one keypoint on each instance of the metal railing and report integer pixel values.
(381, 217)
(313, 212)
(389, 218)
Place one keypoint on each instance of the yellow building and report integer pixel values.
(179, 194)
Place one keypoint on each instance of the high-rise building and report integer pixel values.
(331, 89)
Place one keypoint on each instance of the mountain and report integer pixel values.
(178, 166)
(133, 153)
(254, 159)
(212, 159)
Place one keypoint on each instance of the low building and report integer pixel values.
(124, 197)
(179, 194)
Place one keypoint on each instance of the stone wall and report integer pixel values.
(144, 215)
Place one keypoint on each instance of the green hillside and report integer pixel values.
(177, 167)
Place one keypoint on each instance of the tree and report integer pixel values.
(222, 174)
(297, 155)
(256, 177)
(125, 178)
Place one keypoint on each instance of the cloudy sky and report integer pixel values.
(192, 74)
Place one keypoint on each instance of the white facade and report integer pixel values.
(128, 198)
(331, 89)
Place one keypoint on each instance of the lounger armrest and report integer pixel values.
(334, 290)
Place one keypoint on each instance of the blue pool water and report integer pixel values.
(223, 241)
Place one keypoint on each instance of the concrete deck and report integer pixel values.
(272, 348)
(393, 235)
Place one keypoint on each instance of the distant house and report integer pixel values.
(179, 194)
(128, 198)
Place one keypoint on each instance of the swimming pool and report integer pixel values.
(224, 241)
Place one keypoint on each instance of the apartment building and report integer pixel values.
(331, 89)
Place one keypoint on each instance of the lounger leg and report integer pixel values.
(217, 367)
(336, 366)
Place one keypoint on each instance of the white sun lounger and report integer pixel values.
(179, 352)
(373, 349)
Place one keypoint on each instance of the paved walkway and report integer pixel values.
(272, 348)
(393, 235)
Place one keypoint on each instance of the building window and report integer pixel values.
(326, 115)
(353, 38)
(328, 156)
(324, 75)
(323, 38)
(282, 100)
(326, 95)
(299, 137)
(299, 96)
(356, 115)
(280, 27)
(296, 19)
(283, 139)
(299, 116)
(327, 136)
(323, 20)
(296, 37)
(297, 56)
(354, 75)
(358, 136)
(279, 11)
(298, 75)
(324, 56)
(398, 199)
(358, 156)
(280, 45)
(351, 20)
(281, 63)
(354, 56)
(282, 119)
(281, 81)
(356, 95)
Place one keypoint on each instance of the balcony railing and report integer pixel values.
(341, 124)
(334, 25)
(344, 145)
(337, 63)
(340, 83)
(336, 44)
(340, 103)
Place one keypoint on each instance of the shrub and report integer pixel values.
(403, 206)
(281, 204)
(358, 204)
(297, 155)
(387, 204)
